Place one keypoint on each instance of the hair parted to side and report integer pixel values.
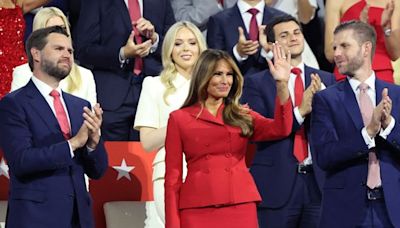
(74, 79)
(38, 39)
(362, 32)
(169, 72)
(269, 31)
(233, 113)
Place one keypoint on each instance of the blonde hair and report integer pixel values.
(233, 114)
(169, 72)
(42, 17)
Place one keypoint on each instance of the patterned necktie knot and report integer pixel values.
(296, 71)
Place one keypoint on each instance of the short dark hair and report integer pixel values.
(277, 20)
(363, 32)
(38, 39)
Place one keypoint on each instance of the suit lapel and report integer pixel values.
(124, 12)
(379, 86)
(236, 20)
(307, 76)
(203, 114)
(350, 103)
(74, 113)
(41, 107)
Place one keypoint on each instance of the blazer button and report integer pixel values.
(207, 144)
(207, 171)
(227, 169)
(208, 157)
(228, 155)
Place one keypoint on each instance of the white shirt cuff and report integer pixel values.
(122, 58)
(154, 47)
(70, 150)
(368, 140)
(299, 118)
(237, 56)
(267, 55)
(388, 130)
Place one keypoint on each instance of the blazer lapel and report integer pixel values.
(307, 76)
(350, 103)
(379, 86)
(41, 107)
(203, 114)
(124, 12)
(74, 113)
(236, 20)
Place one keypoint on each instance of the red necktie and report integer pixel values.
(253, 28)
(366, 108)
(134, 12)
(61, 114)
(300, 149)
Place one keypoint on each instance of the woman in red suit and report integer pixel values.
(12, 28)
(212, 130)
(383, 15)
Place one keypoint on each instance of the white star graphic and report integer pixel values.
(123, 170)
(4, 168)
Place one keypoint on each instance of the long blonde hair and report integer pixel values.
(74, 79)
(233, 114)
(170, 72)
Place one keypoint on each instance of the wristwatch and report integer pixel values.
(387, 32)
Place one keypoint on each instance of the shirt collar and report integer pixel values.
(43, 88)
(244, 6)
(370, 81)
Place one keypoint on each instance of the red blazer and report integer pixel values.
(215, 155)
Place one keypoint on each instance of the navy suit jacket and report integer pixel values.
(44, 179)
(222, 33)
(341, 151)
(274, 166)
(102, 29)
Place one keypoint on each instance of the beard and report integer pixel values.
(353, 65)
(52, 69)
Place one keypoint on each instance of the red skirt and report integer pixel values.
(233, 216)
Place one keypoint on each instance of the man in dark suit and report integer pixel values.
(356, 137)
(120, 41)
(284, 170)
(50, 139)
(235, 30)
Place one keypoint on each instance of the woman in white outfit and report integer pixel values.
(183, 44)
(79, 82)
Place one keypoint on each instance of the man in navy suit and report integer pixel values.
(50, 139)
(356, 136)
(289, 183)
(229, 30)
(107, 41)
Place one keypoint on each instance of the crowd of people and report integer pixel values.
(197, 81)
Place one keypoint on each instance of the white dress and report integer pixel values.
(153, 112)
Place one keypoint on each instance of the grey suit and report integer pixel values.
(198, 11)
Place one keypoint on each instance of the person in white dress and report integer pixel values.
(79, 82)
(183, 44)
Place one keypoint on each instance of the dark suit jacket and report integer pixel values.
(222, 33)
(102, 29)
(274, 165)
(215, 155)
(44, 179)
(341, 151)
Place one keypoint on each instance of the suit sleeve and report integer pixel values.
(196, 12)
(215, 36)
(96, 49)
(332, 151)
(253, 97)
(266, 129)
(173, 173)
(95, 163)
(20, 152)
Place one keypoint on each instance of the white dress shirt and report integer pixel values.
(370, 142)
